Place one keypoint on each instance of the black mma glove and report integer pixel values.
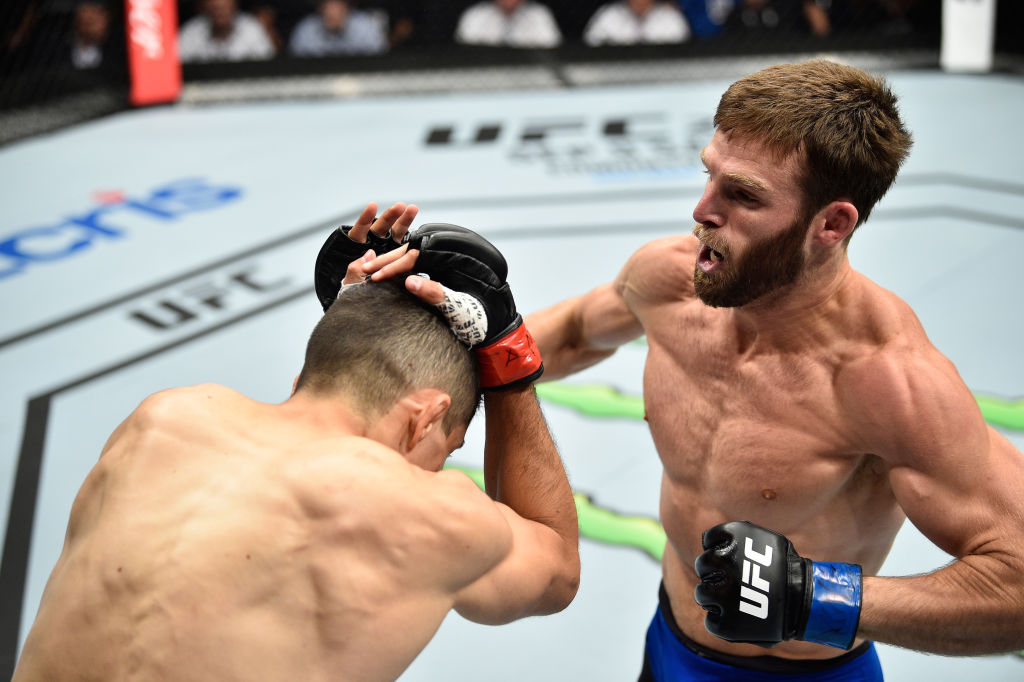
(758, 590)
(337, 253)
(463, 261)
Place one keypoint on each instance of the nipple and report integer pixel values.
(768, 494)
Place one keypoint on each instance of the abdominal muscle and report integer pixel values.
(813, 511)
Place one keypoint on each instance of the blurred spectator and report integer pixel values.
(511, 23)
(338, 28)
(779, 17)
(405, 18)
(17, 30)
(419, 23)
(884, 17)
(628, 22)
(269, 17)
(80, 34)
(91, 42)
(706, 17)
(222, 33)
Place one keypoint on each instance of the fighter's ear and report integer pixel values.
(426, 409)
(840, 218)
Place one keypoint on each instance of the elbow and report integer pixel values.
(564, 585)
(569, 585)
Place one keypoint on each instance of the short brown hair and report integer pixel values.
(845, 122)
(377, 343)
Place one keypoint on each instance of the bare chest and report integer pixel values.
(751, 435)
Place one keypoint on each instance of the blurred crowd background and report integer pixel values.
(72, 52)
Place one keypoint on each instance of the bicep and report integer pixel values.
(582, 331)
(965, 497)
(598, 320)
(952, 474)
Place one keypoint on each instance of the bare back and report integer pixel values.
(750, 425)
(217, 539)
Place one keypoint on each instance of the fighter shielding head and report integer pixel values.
(377, 343)
(844, 121)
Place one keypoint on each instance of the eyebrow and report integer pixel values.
(739, 178)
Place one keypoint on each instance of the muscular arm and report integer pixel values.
(524, 475)
(960, 483)
(582, 331)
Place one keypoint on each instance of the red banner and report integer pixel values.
(155, 69)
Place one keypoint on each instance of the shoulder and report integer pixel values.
(471, 532)
(479, 11)
(669, 16)
(185, 403)
(469, 512)
(196, 23)
(905, 398)
(364, 19)
(538, 9)
(167, 411)
(170, 399)
(307, 24)
(441, 513)
(665, 10)
(195, 29)
(247, 22)
(248, 29)
(660, 271)
(610, 11)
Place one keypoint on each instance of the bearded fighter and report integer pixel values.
(799, 410)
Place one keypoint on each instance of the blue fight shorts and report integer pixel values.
(670, 656)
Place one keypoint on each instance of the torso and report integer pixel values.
(754, 430)
(215, 540)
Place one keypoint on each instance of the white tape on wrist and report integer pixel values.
(346, 287)
(466, 316)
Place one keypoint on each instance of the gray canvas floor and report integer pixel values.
(174, 246)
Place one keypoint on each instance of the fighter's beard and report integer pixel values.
(767, 266)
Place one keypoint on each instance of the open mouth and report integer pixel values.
(709, 259)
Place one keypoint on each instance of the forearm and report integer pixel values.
(582, 331)
(974, 606)
(522, 468)
(559, 336)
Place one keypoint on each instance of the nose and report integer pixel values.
(706, 211)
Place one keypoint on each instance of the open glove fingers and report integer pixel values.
(355, 272)
(332, 264)
(390, 228)
(385, 266)
(357, 231)
(401, 226)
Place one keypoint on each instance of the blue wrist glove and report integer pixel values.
(758, 590)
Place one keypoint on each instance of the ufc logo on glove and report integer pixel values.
(753, 601)
(773, 595)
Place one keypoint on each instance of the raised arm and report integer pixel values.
(581, 331)
(537, 571)
(541, 572)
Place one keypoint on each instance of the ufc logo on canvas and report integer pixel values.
(754, 599)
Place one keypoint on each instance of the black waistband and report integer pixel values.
(771, 664)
